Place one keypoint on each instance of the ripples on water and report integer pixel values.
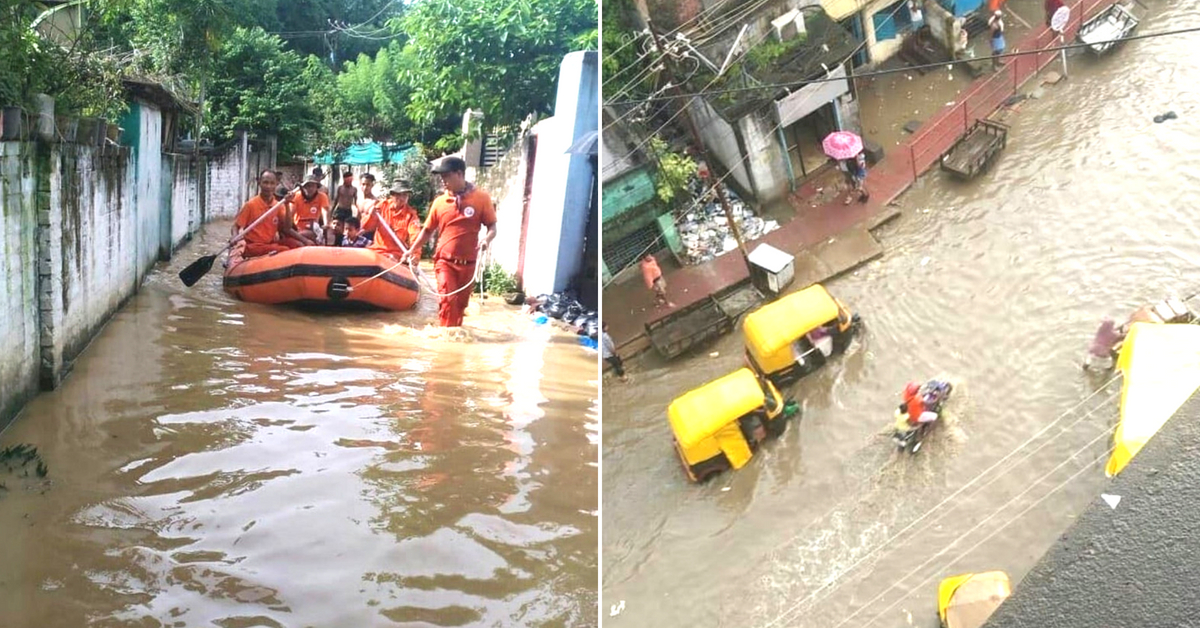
(227, 464)
(997, 284)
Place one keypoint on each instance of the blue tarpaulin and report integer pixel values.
(365, 154)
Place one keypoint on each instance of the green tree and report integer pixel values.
(370, 99)
(259, 86)
(672, 174)
(501, 57)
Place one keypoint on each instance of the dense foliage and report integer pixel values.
(320, 73)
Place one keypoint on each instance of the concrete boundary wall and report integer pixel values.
(80, 226)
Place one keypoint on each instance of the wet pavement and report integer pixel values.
(997, 284)
(213, 462)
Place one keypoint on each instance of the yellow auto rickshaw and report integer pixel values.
(793, 336)
(720, 424)
(967, 601)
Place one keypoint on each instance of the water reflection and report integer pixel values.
(218, 463)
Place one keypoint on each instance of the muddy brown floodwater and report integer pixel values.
(998, 284)
(222, 463)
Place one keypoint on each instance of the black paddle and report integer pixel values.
(199, 268)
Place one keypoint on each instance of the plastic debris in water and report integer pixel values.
(924, 261)
(616, 609)
(714, 354)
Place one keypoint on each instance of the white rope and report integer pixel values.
(421, 278)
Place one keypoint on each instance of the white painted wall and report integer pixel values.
(18, 284)
(879, 51)
(505, 182)
(80, 226)
(765, 162)
(720, 141)
(562, 183)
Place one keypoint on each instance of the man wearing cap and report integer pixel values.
(397, 214)
(307, 213)
(456, 216)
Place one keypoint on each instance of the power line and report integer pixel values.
(722, 179)
(813, 599)
(987, 538)
(734, 15)
(796, 84)
(671, 32)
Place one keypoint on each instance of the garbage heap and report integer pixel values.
(564, 307)
(704, 230)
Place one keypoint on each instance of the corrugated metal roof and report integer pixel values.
(841, 9)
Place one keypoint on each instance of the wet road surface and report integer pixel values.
(997, 284)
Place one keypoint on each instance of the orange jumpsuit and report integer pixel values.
(264, 238)
(403, 220)
(457, 218)
(306, 213)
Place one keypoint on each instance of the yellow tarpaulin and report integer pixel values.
(1161, 368)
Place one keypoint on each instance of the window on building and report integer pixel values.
(892, 20)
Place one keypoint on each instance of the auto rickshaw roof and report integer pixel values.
(1161, 368)
(967, 601)
(776, 325)
(701, 412)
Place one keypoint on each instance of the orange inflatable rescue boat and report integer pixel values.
(333, 276)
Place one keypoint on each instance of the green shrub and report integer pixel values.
(498, 281)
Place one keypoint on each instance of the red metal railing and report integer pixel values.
(939, 134)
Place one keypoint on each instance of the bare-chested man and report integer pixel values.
(366, 204)
(343, 205)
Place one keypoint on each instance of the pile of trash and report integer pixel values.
(704, 230)
(562, 306)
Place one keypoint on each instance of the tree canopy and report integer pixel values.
(320, 73)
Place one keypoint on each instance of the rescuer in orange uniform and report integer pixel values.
(397, 214)
(456, 216)
(264, 238)
(308, 213)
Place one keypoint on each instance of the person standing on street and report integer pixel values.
(457, 216)
(608, 349)
(857, 167)
(996, 23)
(652, 275)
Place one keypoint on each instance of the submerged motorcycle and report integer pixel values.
(908, 437)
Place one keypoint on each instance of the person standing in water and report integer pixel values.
(456, 216)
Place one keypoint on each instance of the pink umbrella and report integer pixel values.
(842, 145)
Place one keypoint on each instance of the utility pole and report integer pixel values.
(718, 189)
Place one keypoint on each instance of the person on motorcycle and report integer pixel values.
(914, 406)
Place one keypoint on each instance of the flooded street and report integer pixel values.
(997, 284)
(213, 462)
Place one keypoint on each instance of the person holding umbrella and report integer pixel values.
(847, 149)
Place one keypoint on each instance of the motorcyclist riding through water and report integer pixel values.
(914, 406)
